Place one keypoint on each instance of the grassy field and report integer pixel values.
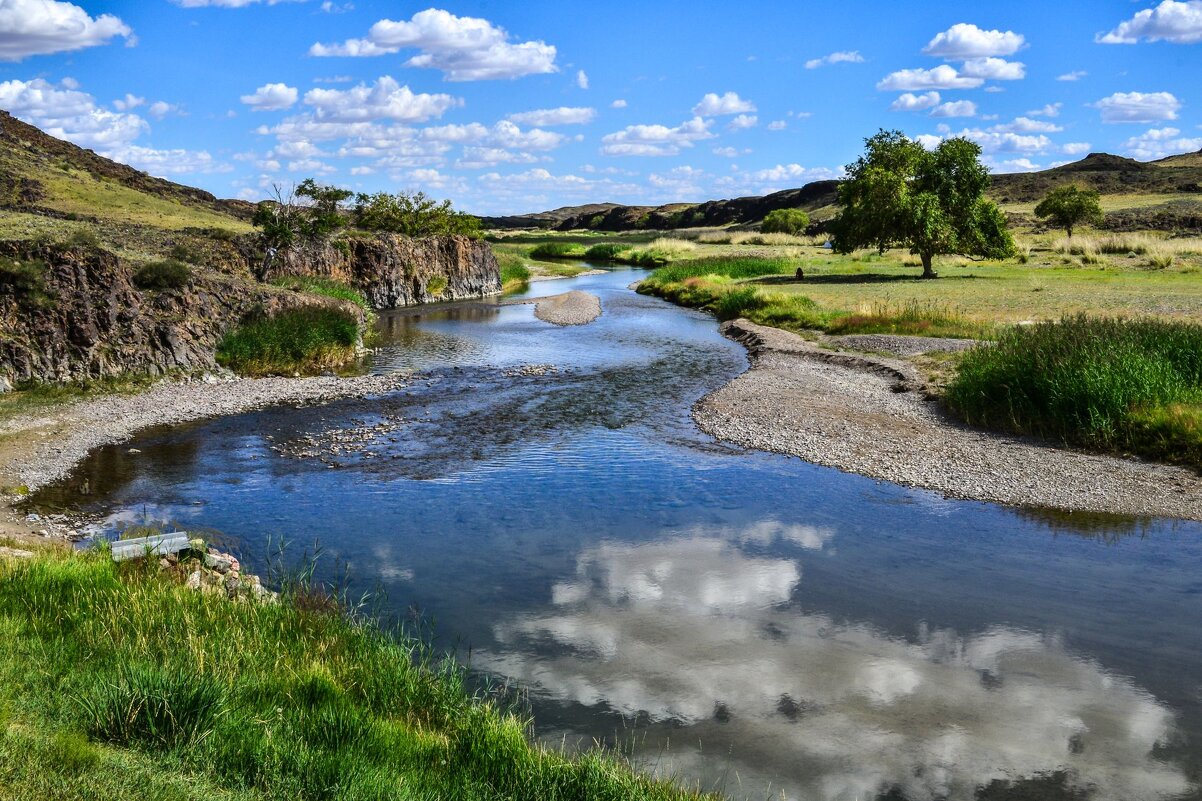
(118, 683)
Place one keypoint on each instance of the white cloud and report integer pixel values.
(966, 41)
(1019, 165)
(128, 103)
(161, 108)
(913, 102)
(228, 3)
(1028, 125)
(386, 99)
(994, 69)
(582, 79)
(929, 141)
(1170, 21)
(713, 105)
(960, 108)
(618, 104)
(168, 162)
(1076, 148)
(1075, 75)
(563, 115)
(504, 134)
(1138, 107)
(463, 48)
(1050, 110)
(841, 57)
(655, 140)
(475, 158)
(1160, 142)
(743, 122)
(271, 97)
(41, 27)
(726, 152)
(777, 125)
(941, 77)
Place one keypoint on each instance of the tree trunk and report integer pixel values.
(927, 270)
(1069, 228)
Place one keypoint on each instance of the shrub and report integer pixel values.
(786, 221)
(168, 274)
(604, 253)
(436, 286)
(182, 251)
(412, 214)
(84, 238)
(326, 287)
(307, 339)
(557, 250)
(1097, 382)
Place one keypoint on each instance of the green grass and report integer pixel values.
(26, 280)
(304, 340)
(117, 683)
(558, 250)
(1106, 383)
(167, 274)
(514, 272)
(325, 287)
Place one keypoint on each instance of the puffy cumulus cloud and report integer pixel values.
(994, 140)
(41, 27)
(129, 102)
(743, 121)
(655, 140)
(1138, 107)
(994, 69)
(917, 80)
(1158, 143)
(67, 113)
(1018, 165)
(564, 115)
(272, 97)
(727, 152)
(384, 100)
(700, 634)
(912, 102)
(462, 48)
(965, 41)
(841, 57)
(1076, 148)
(476, 158)
(619, 103)
(714, 105)
(168, 162)
(504, 134)
(161, 108)
(1171, 21)
(1027, 125)
(960, 108)
(1050, 110)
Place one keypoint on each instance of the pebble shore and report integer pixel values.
(869, 415)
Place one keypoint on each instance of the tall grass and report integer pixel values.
(514, 272)
(1127, 244)
(1114, 384)
(558, 250)
(292, 701)
(303, 340)
(326, 287)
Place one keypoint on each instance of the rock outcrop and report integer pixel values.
(394, 271)
(85, 318)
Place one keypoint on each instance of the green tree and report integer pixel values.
(1069, 206)
(324, 214)
(412, 214)
(785, 221)
(899, 194)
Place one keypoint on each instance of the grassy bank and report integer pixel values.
(303, 340)
(1129, 386)
(325, 287)
(118, 683)
(750, 287)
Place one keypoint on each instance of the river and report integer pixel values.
(743, 621)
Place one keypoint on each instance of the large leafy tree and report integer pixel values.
(899, 194)
(1069, 206)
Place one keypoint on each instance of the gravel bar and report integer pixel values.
(569, 308)
(45, 447)
(871, 416)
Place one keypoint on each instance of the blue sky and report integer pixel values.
(515, 107)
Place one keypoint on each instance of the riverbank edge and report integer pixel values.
(39, 448)
(927, 450)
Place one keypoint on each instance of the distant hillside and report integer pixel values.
(1177, 178)
(43, 175)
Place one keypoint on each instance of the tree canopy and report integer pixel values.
(899, 194)
(1069, 206)
(786, 221)
(411, 214)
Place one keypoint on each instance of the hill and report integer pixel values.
(1158, 194)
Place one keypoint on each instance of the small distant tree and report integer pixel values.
(280, 219)
(316, 216)
(785, 221)
(1069, 206)
(412, 214)
(324, 215)
(899, 194)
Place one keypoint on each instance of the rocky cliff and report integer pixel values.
(394, 271)
(77, 315)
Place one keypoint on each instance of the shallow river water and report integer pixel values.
(744, 621)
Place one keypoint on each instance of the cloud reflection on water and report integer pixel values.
(698, 631)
